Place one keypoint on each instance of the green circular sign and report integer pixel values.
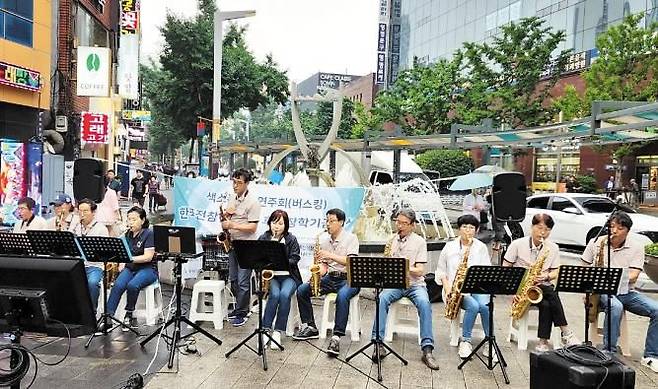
(93, 62)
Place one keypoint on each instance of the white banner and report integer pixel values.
(128, 72)
(68, 178)
(93, 71)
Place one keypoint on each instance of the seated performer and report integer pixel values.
(142, 272)
(284, 284)
(335, 247)
(524, 252)
(627, 252)
(407, 244)
(450, 260)
(64, 216)
(27, 219)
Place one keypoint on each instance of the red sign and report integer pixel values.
(95, 128)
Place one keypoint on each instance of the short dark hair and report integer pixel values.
(408, 213)
(110, 170)
(242, 173)
(91, 203)
(276, 215)
(142, 215)
(340, 215)
(468, 219)
(623, 219)
(543, 218)
(28, 202)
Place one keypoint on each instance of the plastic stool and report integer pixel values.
(353, 319)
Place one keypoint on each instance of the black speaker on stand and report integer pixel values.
(88, 179)
(508, 196)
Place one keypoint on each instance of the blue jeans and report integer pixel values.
(240, 289)
(474, 304)
(328, 284)
(638, 304)
(281, 291)
(133, 282)
(94, 278)
(418, 295)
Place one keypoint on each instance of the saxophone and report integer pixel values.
(454, 300)
(594, 298)
(528, 293)
(224, 237)
(388, 246)
(266, 276)
(316, 268)
(58, 221)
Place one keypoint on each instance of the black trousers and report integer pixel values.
(550, 312)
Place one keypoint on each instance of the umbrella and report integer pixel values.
(472, 181)
(491, 169)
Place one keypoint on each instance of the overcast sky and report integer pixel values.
(304, 36)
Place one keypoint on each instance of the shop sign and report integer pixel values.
(94, 128)
(136, 115)
(93, 71)
(129, 17)
(19, 77)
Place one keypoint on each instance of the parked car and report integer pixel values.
(579, 217)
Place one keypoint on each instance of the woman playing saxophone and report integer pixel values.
(455, 258)
(526, 252)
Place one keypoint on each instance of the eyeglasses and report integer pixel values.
(467, 227)
(21, 208)
(402, 222)
(238, 182)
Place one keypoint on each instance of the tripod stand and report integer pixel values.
(258, 255)
(178, 317)
(491, 280)
(378, 272)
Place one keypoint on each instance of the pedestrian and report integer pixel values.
(609, 186)
(138, 189)
(635, 193)
(154, 193)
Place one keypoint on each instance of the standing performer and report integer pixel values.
(407, 244)
(241, 220)
(282, 284)
(525, 252)
(334, 249)
(468, 251)
(627, 252)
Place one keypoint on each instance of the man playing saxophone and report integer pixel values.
(465, 247)
(627, 252)
(407, 244)
(335, 247)
(524, 252)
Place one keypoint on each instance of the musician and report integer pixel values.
(335, 247)
(407, 244)
(627, 252)
(27, 219)
(450, 259)
(65, 216)
(284, 284)
(141, 272)
(88, 226)
(242, 216)
(523, 252)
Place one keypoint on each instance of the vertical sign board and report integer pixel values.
(128, 72)
(94, 128)
(382, 41)
(93, 71)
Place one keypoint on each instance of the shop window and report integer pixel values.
(16, 21)
(89, 31)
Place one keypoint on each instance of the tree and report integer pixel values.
(571, 104)
(504, 80)
(449, 163)
(324, 115)
(364, 120)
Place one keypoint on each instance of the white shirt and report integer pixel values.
(453, 253)
(470, 202)
(37, 223)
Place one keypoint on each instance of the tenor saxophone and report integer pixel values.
(316, 268)
(454, 301)
(528, 293)
(595, 298)
(224, 237)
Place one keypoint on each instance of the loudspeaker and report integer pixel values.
(88, 179)
(509, 196)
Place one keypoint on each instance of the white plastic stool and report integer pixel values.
(293, 316)
(399, 323)
(455, 327)
(519, 333)
(198, 308)
(596, 332)
(149, 304)
(353, 319)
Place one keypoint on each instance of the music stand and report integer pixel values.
(588, 280)
(15, 244)
(107, 250)
(177, 244)
(378, 273)
(54, 243)
(491, 280)
(258, 255)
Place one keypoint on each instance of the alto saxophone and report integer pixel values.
(58, 221)
(224, 237)
(266, 277)
(454, 300)
(388, 246)
(528, 293)
(316, 269)
(594, 298)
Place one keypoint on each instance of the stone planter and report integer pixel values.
(651, 267)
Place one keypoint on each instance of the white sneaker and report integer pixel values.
(276, 336)
(485, 353)
(542, 347)
(570, 340)
(465, 349)
(651, 363)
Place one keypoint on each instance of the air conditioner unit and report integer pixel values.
(61, 123)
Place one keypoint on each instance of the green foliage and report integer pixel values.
(587, 184)
(365, 120)
(324, 117)
(449, 162)
(652, 249)
(571, 104)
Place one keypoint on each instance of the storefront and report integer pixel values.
(547, 167)
(646, 173)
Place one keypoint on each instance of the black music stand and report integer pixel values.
(177, 244)
(54, 243)
(107, 250)
(258, 255)
(378, 273)
(491, 280)
(588, 280)
(12, 243)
